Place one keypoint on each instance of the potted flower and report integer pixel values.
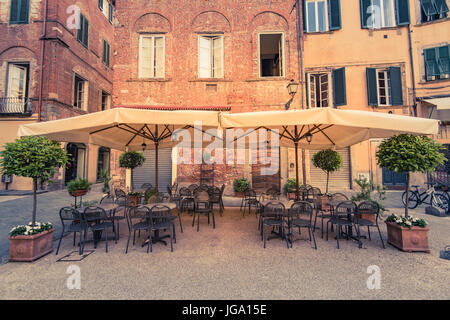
(78, 187)
(131, 160)
(407, 233)
(36, 158)
(135, 198)
(290, 188)
(367, 187)
(409, 153)
(150, 196)
(240, 186)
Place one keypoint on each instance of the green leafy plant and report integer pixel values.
(89, 203)
(104, 175)
(329, 161)
(30, 229)
(290, 186)
(241, 185)
(407, 222)
(78, 184)
(131, 160)
(150, 195)
(33, 157)
(367, 188)
(408, 153)
(135, 194)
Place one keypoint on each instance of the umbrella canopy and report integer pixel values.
(328, 127)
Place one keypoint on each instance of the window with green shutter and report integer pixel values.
(437, 63)
(83, 32)
(433, 10)
(321, 15)
(100, 4)
(339, 87)
(106, 53)
(376, 14)
(111, 13)
(384, 86)
(19, 11)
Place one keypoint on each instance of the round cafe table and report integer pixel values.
(157, 237)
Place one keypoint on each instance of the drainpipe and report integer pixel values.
(41, 71)
(413, 78)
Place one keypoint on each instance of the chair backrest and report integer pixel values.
(313, 193)
(146, 186)
(174, 188)
(120, 193)
(345, 209)
(303, 191)
(273, 193)
(369, 207)
(123, 201)
(273, 208)
(193, 187)
(108, 198)
(185, 192)
(137, 213)
(70, 215)
(159, 211)
(94, 213)
(201, 196)
(338, 196)
(251, 194)
(301, 209)
(215, 193)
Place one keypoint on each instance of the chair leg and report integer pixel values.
(60, 239)
(171, 236)
(368, 231)
(80, 250)
(381, 238)
(338, 231)
(128, 242)
(198, 221)
(359, 236)
(174, 234)
(74, 238)
(106, 234)
(150, 246)
(322, 227)
(264, 236)
(193, 220)
(214, 220)
(314, 238)
(179, 219)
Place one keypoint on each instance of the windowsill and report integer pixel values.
(433, 81)
(149, 80)
(268, 79)
(422, 24)
(319, 32)
(210, 80)
(383, 28)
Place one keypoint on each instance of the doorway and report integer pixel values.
(76, 165)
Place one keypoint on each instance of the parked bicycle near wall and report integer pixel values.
(429, 196)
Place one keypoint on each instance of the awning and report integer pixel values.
(440, 103)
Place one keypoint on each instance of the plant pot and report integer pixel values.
(367, 216)
(239, 194)
(78, 193)
(30, 248)
(134, 200)
(405, 239)
(291, 195)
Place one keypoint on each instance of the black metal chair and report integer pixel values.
(98, 221)
(300, 216)
(186, 200)
(138, 218)
(312, 194)
(161, 219)
(368, 208)
(252, 201)
(146, 186)
(244, 200)
(193, 187)
(273, 193)
(119, 193)
(72, 221)
(273, 216)
(215, 197)
(342, 216)
(202, 205)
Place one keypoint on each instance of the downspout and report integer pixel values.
(43, 37)
(413, 78)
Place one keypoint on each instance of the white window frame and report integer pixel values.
(85, 93)
(212, 75)
(140, 62)
(330, 88)
(283, 49)
(382, 16)
(327, 24)
(108, 102)
(388, 87)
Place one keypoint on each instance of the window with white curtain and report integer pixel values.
(317, 16)
(210, 56)
(382, 14)
(152, 56)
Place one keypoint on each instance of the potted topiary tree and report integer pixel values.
(240, 186)
(35, 158)
(131, 160)
(329, 161)
(408, 153)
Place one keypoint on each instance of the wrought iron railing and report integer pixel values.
(444, 132)
(13, 105)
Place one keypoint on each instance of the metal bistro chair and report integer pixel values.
(160, 219)
(186, 200)
(138, 218)
(273, 193)
(202, 205)
(312, 194)
(273, 216)
(215, 197)
(146, 186)
(72, 221)
(98, 220)
(368, 208)
(342, 216)
(300, 216)
(119, 193)
(123, 203)
(193, 187)
(252, 201)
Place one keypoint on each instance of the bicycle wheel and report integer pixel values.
(413, 200)
(440, 200)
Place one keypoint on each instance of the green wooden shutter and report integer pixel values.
(402, 12)
(100, 4)
(111, 12)
(431, 65)
(372, 94)
(19, 12)
(304, 15)
(444, 59)
(86, 33)
(80, 30)
(395, 73)
(334, 13)
(364, 4)
(441, 6)
(339, 87)
(307, 89)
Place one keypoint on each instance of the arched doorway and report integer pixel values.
(104, 156)
(77, 159)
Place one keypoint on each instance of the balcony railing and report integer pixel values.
(444, 132)
(16, 106)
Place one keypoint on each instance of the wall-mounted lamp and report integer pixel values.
(292, 90)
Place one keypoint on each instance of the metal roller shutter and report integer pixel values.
(338, 180)
(146, 173)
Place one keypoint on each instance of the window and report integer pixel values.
(384, 86)
(320, 91)
(107, 8)
(271, 55)
(321, 15)
(151, 56)
(437, 63)
(106, 53)
(106, 101)
(19, 11)
(377, 14)
(210, 56)
(83, 32)
(16, 89)
(433, 10)
(80, 93)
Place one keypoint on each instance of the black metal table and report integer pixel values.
(157, 237)
(108, 207)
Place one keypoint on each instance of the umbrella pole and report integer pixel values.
(156, 166)
(297, 189)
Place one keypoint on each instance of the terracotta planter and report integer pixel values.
(78, 193)
(135, 200)
(239, 194)
(367, 216)
(291, 195)
(30, 248)
(405, 239)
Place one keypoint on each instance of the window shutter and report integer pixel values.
(111, 13)
(14, 12)
(402, 12)
(19, 11)
(218, 57)
(307, 89)
(339, 87)
(441, 6)
(431, 66)
(334, 12)
(100, 4)
(204, 57)
(395, 74)
(364, 4)
(24, 4)
(80, 31)
(444, 59)
(86, 32)
(372, 94)
(304, 15)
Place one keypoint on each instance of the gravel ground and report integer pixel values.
(229, 262)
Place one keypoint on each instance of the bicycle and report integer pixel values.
(416, 198)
